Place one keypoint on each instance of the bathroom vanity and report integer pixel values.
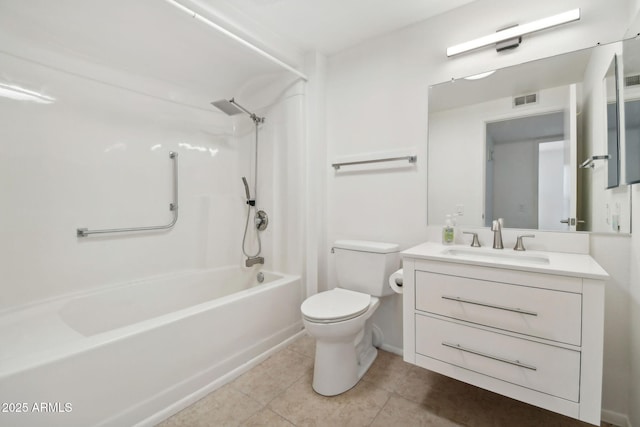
(528, 325)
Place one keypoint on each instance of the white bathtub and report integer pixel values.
(123, 354)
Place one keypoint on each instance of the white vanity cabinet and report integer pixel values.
(533, 333)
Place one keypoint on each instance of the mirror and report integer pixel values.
(613, 126)
(510, 145)
(631, 91)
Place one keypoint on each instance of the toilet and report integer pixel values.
(340, 319)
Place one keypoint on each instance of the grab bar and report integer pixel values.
(589, 162)
(173, 207)
(411, 159)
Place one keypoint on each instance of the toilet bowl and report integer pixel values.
(338, 363)
(340, 319)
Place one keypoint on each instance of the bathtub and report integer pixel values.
(134, 353)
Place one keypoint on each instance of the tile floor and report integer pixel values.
(393, 393)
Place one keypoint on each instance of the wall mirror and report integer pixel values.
(631, 94)
(510, 143)
(613, 124)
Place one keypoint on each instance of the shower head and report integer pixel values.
(228, 107)
(231, 108)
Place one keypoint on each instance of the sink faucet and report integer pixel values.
(519, 246)
(496, 227)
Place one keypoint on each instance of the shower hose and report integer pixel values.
(244, 238)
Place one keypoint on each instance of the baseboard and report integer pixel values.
(227, 378)
(615, 418)
(391, 349)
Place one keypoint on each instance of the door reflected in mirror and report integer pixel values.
(525, 171)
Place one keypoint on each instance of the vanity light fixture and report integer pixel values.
(515, 32)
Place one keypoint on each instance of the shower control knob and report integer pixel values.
(262, 220)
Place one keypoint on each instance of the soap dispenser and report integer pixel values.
(448, 235)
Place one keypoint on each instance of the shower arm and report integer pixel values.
(256, 119)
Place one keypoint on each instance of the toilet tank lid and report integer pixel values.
(367, 246)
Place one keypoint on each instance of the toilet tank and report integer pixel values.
(365, 266)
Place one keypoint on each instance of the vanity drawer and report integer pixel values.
(543, 313)
(541, 367)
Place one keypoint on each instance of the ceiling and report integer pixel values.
(142, 45)
(330, 26)
(151, 42)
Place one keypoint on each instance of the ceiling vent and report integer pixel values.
(531, 98)
(632, 80)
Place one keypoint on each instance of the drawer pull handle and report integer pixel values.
(484, 304)
(489, 356)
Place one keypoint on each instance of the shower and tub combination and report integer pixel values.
(136, 351)
(114, 311)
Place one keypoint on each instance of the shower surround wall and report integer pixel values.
(97, 157)
(132, 82)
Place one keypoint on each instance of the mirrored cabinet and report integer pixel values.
(631, 95)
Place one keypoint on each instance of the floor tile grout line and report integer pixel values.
(381, 407)
(255, 400)
(280, 394)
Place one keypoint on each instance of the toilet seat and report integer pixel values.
(335, 306)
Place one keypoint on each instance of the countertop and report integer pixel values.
(564, 264)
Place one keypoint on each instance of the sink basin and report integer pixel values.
(498, 256)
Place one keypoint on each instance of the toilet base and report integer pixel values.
(340, 362)
(344, 351)
(337, 368)
(367, 360)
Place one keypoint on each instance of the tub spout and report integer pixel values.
(253, 261)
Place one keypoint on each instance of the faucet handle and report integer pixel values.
(519, 246)
(475, 243)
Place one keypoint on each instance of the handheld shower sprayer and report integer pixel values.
(250, 202)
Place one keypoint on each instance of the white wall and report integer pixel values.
(377, 100)
(611, 251)
(634, 321)
(315, 161)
